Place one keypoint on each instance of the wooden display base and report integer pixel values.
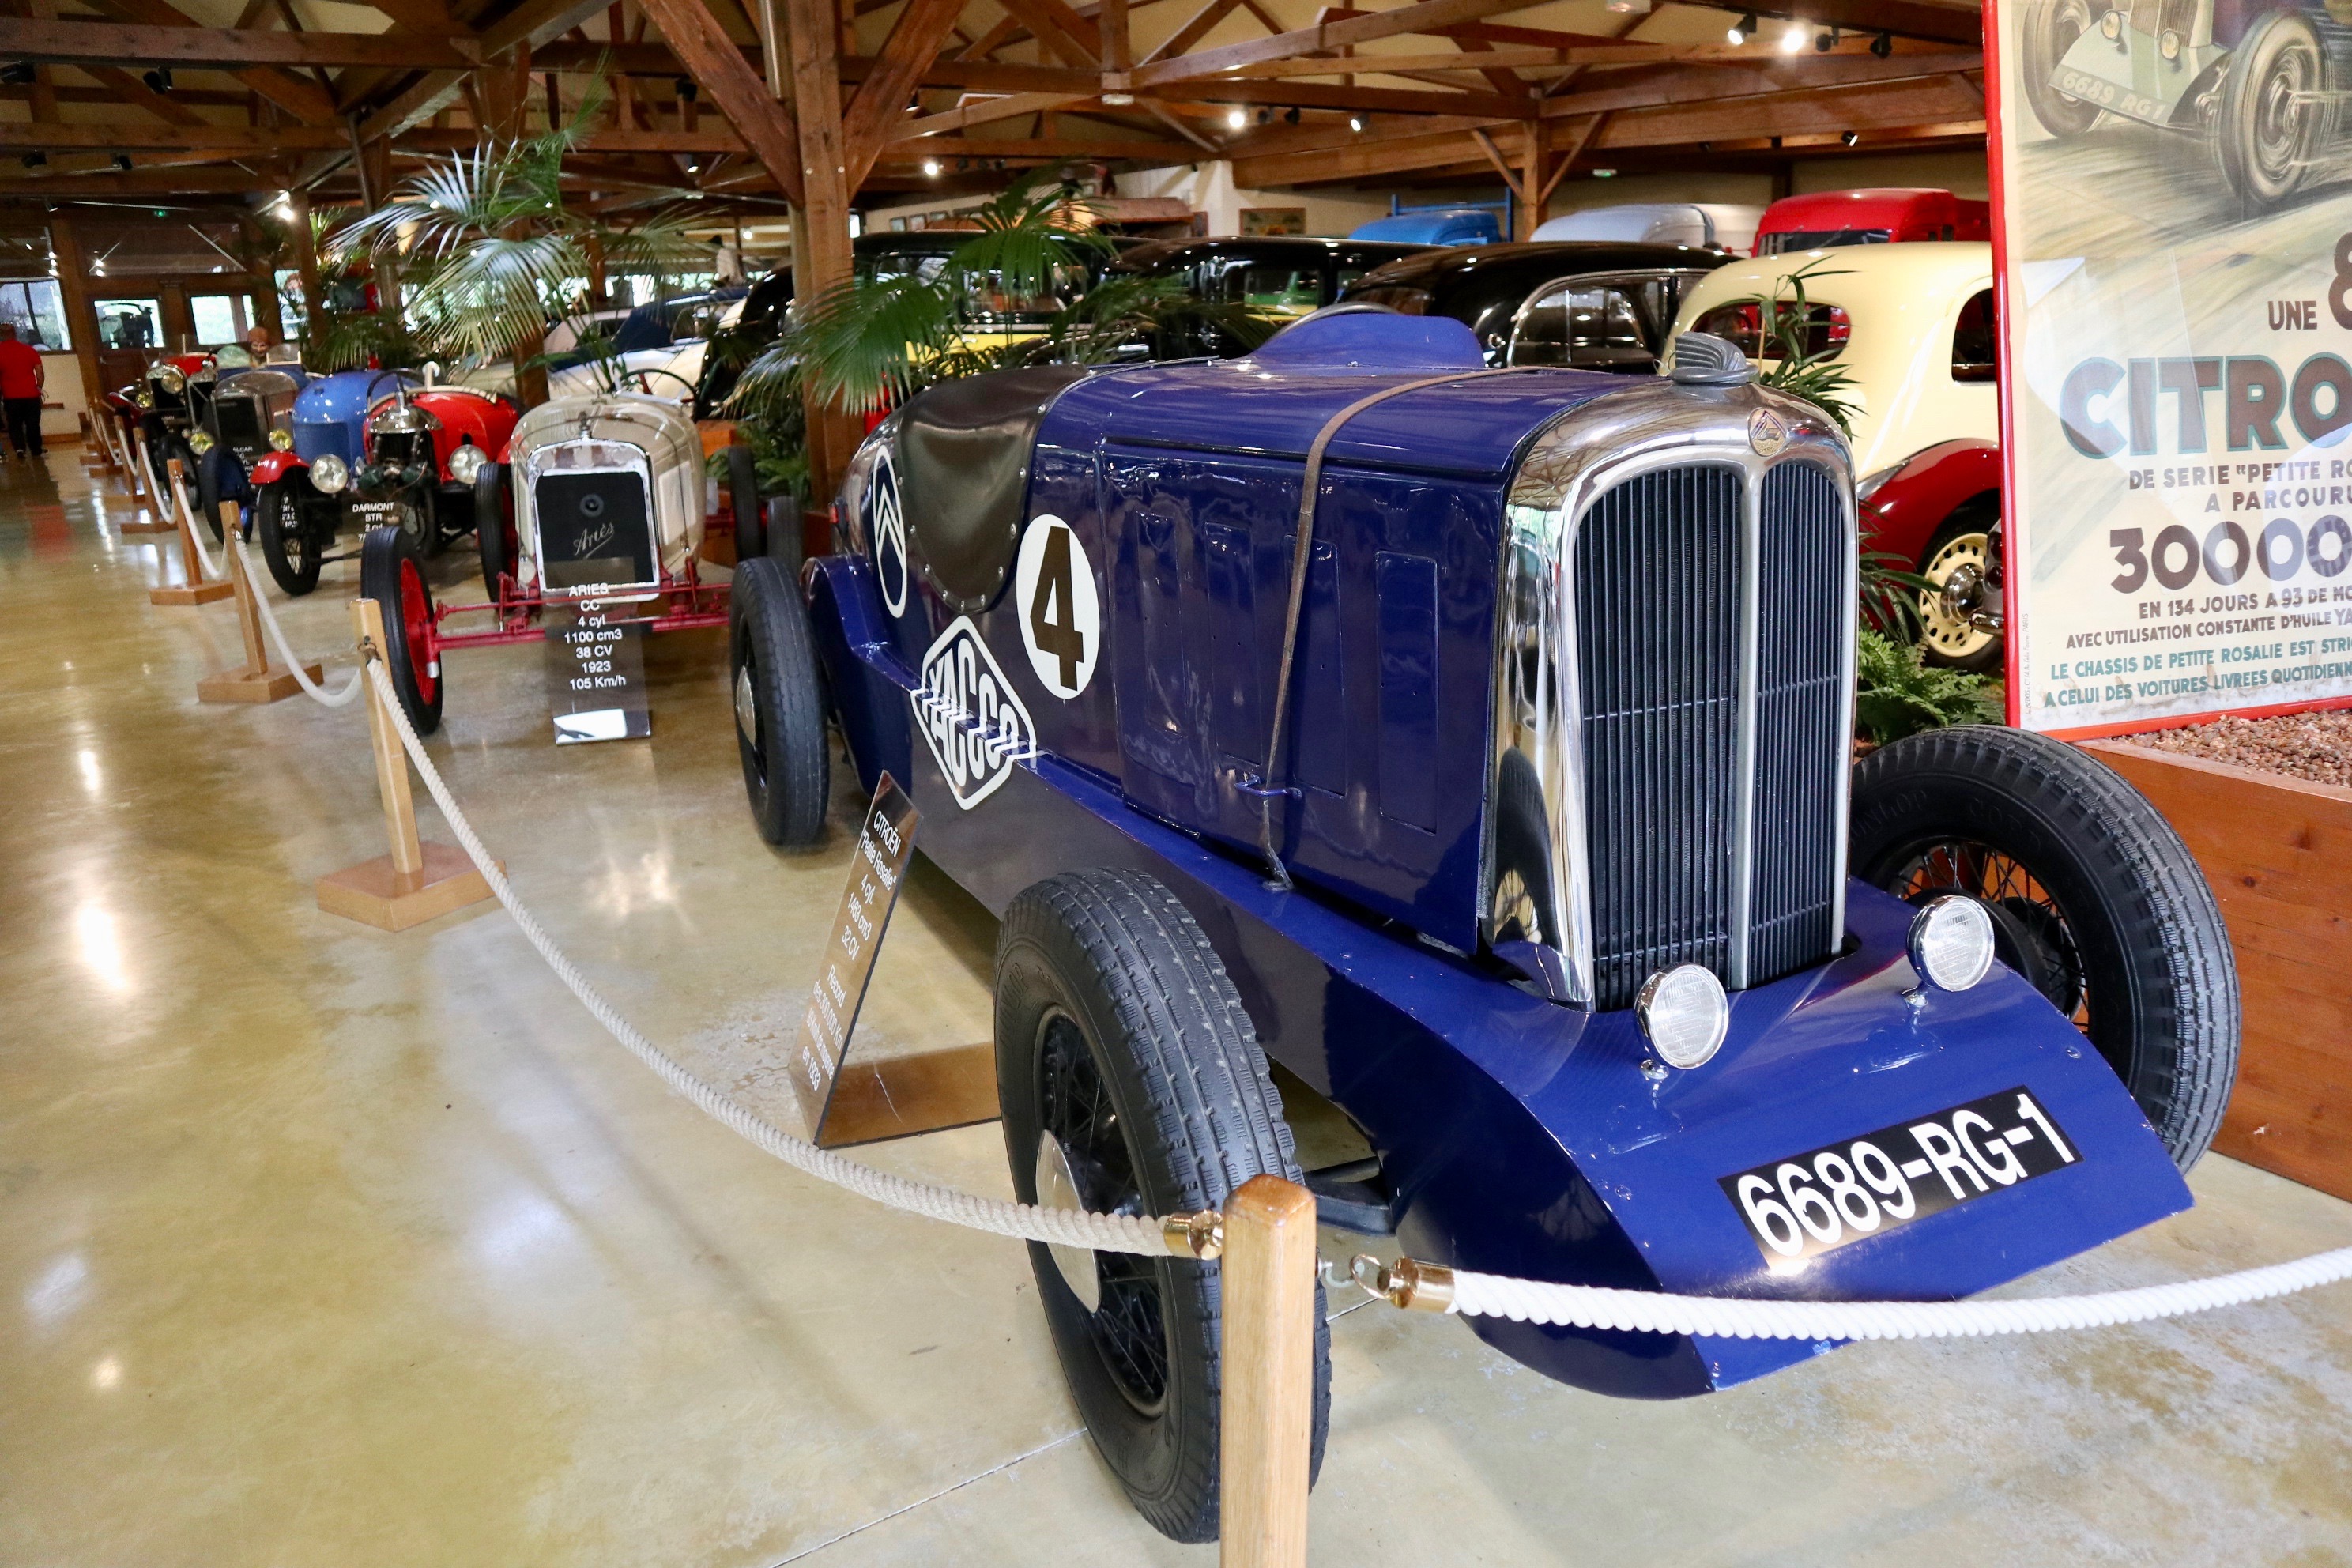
(900, 1096)
(376, 892)
(143, 523)
(185, 594)
(272, 683)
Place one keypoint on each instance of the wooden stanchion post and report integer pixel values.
(193, 589)
(418, 881)
(151, 520)
(257, 680)
(1267, 1419)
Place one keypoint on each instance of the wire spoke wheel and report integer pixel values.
(1128, 1324)
(1947, 612)
(2031, 931)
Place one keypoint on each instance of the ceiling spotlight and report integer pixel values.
(692, 168)
(123, 161)
(159, 79)
(34, 159)
(930, 168)
(18, 74)
(1236, 119)
(1883, 44)
(1290, 116)
(1355, 123)
(1266, 117)
(1793, 40)
(1823, 42)
(687, 91)
(1117, 99)
(1604, 173)
(1742, 30)
(1851, 138)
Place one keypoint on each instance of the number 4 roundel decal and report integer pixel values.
(1061, 618)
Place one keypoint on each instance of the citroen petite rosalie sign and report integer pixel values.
(2174, 243)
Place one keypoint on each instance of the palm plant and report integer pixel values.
(1793, 362)
(491, 252)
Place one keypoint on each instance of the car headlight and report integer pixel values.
(171, 378)
(466, 463)
(2168, 43)
(2112, 25)
(1684, 1013)
(330, 473)
(145, 397)
(281, 440)
(199, 442)
(1951, 942)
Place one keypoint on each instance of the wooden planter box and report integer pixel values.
(2278, 852)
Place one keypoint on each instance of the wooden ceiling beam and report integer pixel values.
(881, 99)
(1323, 38)
(739, 90)
(147, 42)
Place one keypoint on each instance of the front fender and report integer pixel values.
(276, 466)
(1904, 510)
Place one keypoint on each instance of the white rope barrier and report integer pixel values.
(1584, 1306)
(1065, 1227)
(316, 692)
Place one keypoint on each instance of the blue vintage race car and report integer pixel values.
(1501, 794)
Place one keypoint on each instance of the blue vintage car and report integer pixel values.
(1496, 801)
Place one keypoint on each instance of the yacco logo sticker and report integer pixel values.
(886, 526)
(967, 711)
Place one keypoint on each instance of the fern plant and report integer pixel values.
(1897, 693)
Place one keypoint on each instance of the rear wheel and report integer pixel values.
(779, 704)
(494, 527)
(291, 548)
(2094, 900)
(2051, 27)
(2273, 113)
(392, 572)
(743, 496)
(1131, 1081)
(1963, 562)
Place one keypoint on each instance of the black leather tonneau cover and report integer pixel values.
(962, 462)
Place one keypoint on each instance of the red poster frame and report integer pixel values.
(2014, 555)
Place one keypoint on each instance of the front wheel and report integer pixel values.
(291, 548)
(209, 490)
(2273, 114)
(494, 528)
(392, 572)
(779, 704)
(1131, 1082)
(2094, 900)
(2053, 28)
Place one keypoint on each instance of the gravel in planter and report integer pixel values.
(2315, 746)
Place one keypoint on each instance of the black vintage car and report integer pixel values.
(1284, 277)
(165, 398)
(250, 413)
(1595, 305)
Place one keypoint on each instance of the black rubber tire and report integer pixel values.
(175, 445)
(493, 526)
(2051, 29)
(1109, 962)
(2158, 979)
(208, 491)
(2281, 53)
(743, 498)
(778, 696)
(389, 563)
(291, 548)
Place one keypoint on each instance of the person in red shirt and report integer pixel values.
(21, 382)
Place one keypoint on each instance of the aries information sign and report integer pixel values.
(596, 676)
(2175, 253)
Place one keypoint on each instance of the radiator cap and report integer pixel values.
(1702, 359)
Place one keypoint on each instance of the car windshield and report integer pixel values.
(1271, 288)
(1819, 239)
(1600, 323)
(1402, 300)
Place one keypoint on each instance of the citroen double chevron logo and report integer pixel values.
(966, 711)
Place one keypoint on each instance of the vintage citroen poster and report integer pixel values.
(2174, 225)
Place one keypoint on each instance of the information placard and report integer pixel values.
(2176, 274)
(886, 843)
(596, 676)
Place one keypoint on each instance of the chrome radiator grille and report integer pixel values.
(1658, 651)
(1712, 720)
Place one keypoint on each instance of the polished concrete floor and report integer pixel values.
(322, 1246)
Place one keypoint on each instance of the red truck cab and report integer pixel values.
(1878, 215)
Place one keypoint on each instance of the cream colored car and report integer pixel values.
(1914, 325)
